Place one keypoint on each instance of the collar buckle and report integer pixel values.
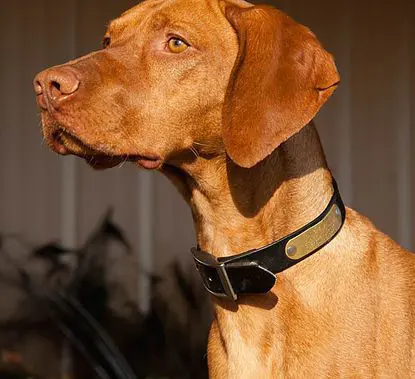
(214, 275)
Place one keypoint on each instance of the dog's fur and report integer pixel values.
(228, 120)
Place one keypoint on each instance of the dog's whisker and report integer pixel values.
(201, 144)
(194, 151)
(124, 161)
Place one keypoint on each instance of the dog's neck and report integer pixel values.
(238, 209)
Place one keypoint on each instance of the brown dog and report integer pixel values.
(219, 96)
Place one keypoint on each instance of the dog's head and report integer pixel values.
(207, 76)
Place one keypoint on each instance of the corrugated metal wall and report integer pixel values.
(367, 128)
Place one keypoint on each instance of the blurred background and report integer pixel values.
(367, 128)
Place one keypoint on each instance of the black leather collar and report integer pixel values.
(254, 272)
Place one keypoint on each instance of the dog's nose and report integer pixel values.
(55, 86)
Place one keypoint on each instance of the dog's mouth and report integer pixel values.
(65, 143)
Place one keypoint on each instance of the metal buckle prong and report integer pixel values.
(226, 283)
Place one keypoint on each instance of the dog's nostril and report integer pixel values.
(55, 89)
(55, 84)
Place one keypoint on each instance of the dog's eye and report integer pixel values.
(177, 45)
(106, 42)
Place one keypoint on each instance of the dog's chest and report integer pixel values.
(242, 352)
(243, 360)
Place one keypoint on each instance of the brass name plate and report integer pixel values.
(310, 240)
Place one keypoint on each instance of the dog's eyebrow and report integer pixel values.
(129, 20)
(135, 15)
(188, 26)
(159, 21)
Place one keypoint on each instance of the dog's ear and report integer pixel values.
(281, 78)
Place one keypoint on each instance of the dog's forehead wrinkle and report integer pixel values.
(157, 15)
(136, 16)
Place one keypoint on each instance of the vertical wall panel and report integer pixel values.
(32, 182)
(411, 46)
(11, 186)
(403, 155)
(174, 227)
(377, 82)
